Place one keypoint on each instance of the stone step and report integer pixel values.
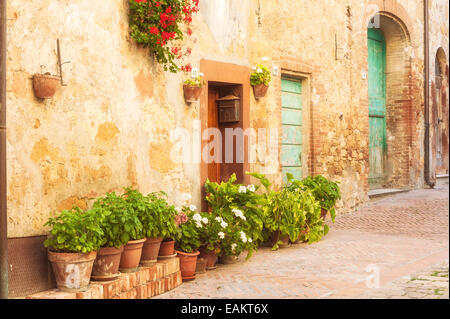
(147, 282)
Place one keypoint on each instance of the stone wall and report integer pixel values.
(110, 126)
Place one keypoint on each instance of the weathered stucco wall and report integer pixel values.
(109, 127)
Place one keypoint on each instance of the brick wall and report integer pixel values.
(143, 284)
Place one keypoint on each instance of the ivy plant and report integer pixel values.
(75, 231)
(120, 222)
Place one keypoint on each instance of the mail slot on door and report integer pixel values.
(228, 109)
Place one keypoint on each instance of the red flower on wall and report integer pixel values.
(156, 24)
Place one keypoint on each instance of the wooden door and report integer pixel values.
(377, 108)
(292, 121)
(213, 122)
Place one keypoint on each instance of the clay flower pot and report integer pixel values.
(228, 260)
(188, 264)
(260, 90)
(201, 266)
(72, 270)
(45, 85)
(284, 238)
(210, 257)
(131, 256)
(323, 213)
(150, 251)
(191, 93)
(167, 249)
(106, 265)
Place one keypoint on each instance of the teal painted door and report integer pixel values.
(291, 148)
(377, 107)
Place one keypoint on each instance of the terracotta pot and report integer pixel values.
(72, 270)
(188, 264)
(210, 257)
(167, 248)
(150, 251)
(284, 238)
(106, 265)
(45, 85)
(131, 256)
(260, 90)
(227, 260)
(201, 266)
(302, 232)
(191, 93)
(323, 213)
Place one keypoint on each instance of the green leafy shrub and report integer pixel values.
(75, 231)
(120, 222)
(325, 191)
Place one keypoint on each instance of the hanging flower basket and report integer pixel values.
(45, 85)
(260, 79)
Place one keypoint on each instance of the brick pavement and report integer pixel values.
(383, 242)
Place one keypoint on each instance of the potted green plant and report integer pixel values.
(169, 233)
(260, 79)
(310, 197)
(211, 236)
(238, 205)
(188, 242)
(325, 191)
(122, 227)
(192, 88)
(74, 239)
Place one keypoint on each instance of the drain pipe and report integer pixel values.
(427, 171)
(3, 210)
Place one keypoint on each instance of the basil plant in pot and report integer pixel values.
(122, 227)
(75, 237)
(157, 220)
(188, 240)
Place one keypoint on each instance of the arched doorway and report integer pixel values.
(390, 104)
(440, 116)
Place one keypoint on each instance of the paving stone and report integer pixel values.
(387, 234)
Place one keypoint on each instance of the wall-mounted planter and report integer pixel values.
(191, 93)
(45, 85)
(260, 91)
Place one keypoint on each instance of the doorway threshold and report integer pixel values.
(374, 193)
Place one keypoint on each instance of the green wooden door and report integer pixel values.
(291, 148)
(377, 107)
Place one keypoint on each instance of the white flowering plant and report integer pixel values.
(240, 207)
(260, 75)
(237, 241)
(188, 239)
(212, 232)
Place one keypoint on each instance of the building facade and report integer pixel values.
(346, 101)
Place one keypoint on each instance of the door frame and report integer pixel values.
(227, 73)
